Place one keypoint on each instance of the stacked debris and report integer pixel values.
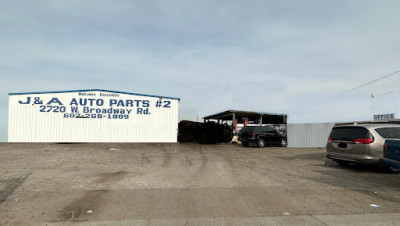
(187, 130)
(204, 133)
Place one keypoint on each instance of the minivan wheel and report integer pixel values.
(260, 142)
(342, 163)
(245, 143)
(283, 143)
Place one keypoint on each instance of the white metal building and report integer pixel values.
(91, 116)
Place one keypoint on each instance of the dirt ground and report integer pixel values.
(179, 184)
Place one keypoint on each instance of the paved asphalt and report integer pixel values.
(189, 184)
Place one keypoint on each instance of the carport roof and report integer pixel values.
(227, 115)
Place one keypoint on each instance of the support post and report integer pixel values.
(235, 124)
(397, 105)
(260, 120)
(233, 121)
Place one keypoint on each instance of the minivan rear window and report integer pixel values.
(389, 132)
(349, 133)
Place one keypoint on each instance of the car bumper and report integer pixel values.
(250, 140)
(366, 159)
(390, 162)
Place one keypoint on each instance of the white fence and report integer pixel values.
(304, 135)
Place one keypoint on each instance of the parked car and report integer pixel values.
(362, 143)
(261, 136)
(391, 151)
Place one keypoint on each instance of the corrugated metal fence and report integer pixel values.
(303, 135)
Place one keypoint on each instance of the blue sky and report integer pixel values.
(293, 57)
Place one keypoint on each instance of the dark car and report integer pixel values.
(261, 136)
(391, 153)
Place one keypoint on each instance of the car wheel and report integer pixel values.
(260, 142)
(393, 169)
(283, 143)
(245, 143)
(342, 163)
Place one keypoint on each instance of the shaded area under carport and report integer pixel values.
(245, 117)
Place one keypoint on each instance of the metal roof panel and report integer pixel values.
(94, 90)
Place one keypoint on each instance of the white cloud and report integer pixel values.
(293, 57)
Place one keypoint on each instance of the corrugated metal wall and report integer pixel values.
(303, 135)
(40, 118)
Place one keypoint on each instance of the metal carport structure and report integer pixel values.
(235, 116)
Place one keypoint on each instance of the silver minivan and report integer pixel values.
(362, 143)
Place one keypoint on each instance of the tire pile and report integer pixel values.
(204, 133)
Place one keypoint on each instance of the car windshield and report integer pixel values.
(348, 133)
(389, 132)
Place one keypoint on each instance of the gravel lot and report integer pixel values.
(179, 184)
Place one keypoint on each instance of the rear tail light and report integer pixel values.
(368, 141)
(253, 135)
(384, 149)
(363, 141)
(330, 139)
(359, 141)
